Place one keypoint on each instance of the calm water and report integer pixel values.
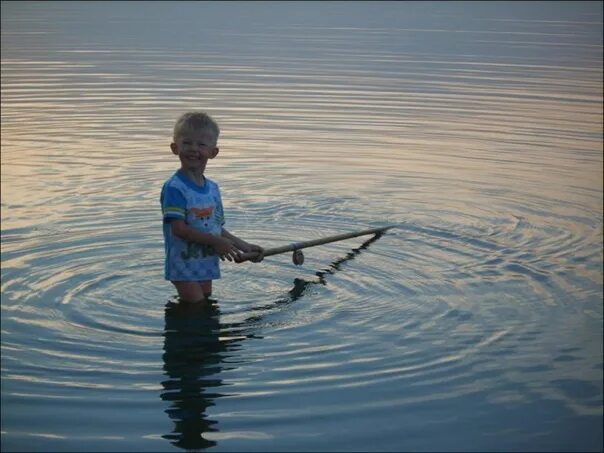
(475, 325)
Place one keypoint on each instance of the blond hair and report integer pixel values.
(196, 121)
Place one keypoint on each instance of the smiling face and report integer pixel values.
(194, 148)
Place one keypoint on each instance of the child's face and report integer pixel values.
(194, 148)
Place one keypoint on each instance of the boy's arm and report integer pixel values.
(238, 242)
(223, 246)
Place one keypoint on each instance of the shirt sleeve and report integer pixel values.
(173, 204)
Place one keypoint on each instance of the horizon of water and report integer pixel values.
(473, 127)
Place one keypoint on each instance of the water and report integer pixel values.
(476, 128)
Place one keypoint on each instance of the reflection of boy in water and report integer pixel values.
(194, 233)
(192, 353)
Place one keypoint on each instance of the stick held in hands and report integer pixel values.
(312, 243)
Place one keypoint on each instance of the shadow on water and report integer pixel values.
(196, 348)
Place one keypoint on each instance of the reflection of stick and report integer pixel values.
(301, 245)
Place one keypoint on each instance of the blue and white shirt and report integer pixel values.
(201, 208)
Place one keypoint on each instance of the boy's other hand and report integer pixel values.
(252, 248)
(257, 249)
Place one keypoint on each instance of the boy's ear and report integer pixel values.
(174, 148)
(215, 153)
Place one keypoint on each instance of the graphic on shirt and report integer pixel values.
(195, 250)
(204, 214)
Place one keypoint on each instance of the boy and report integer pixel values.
(193, 217)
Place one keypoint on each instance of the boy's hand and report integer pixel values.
(225, 249)
(257, 249)
(251, 248)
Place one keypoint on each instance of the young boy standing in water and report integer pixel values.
(193, 217)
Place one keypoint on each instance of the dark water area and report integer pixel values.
(473, 127)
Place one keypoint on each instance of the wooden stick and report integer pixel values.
(312, 243)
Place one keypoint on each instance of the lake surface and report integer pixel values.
(475, 128)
